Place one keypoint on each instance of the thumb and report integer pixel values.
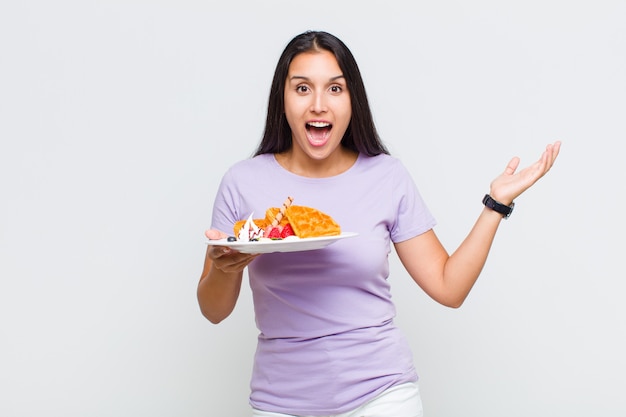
(512, 166)
(213, 234)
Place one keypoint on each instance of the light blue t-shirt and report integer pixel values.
(327, 341)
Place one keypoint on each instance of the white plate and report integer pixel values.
(285, 245)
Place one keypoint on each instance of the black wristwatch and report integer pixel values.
(498, 207)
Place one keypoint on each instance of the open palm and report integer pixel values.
(510, 184)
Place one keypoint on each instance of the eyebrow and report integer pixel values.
(302, 77)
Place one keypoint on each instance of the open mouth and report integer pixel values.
(318, 133)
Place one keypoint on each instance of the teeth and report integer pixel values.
(318, 124)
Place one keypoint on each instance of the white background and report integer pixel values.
(118, 118)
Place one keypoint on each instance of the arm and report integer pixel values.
(220, 282)
(448, 279)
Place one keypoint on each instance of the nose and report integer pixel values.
(318, 104)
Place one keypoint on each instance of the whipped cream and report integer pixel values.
(250, 231)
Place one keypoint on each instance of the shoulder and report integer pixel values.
(253, 162)
(250, 166)
(381, 159)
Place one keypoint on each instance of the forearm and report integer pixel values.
(218, 292)
(462, 268)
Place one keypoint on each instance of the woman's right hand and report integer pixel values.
(221, 277)
(224, 258)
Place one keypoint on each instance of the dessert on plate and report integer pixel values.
(287, 222)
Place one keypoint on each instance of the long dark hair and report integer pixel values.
(361, 135)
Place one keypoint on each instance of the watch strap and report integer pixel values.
(494, 205)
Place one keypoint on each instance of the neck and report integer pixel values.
(335, 164)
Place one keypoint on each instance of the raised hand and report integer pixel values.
(510, 184)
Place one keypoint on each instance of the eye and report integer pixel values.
(336, 89)
(302, 88)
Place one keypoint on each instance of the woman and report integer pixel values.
(328, 344)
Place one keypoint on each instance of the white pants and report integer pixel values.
(400, 401)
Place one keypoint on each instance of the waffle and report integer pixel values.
(309, 222)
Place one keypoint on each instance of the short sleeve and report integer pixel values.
(225, 205)
(412, 216)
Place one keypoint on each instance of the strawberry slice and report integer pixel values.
(274, 233)
(287, 231)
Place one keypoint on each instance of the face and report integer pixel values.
(317, 105)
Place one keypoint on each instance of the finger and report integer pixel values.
(549, 156)
(216, 252)
(243, 263)
(545, 162)
(236, 263)
(512, 166)
(556, 148)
